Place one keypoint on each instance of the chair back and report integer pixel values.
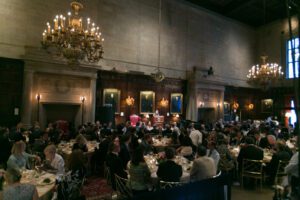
(123, 187)
(218, 174)
(280, 170)
(166, 185)
(107, 174)
(225, 164)
(252, 167)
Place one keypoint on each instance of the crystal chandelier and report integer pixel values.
(265, 74)
(74, 39)
(164, 102)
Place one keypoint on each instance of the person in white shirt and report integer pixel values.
(213, 153)
(195, 135)
(55, 160)
(292, 170)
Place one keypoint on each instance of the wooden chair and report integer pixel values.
(252, 169)
(107, 174)
(280, 171)
(123, 188)
(166, 185)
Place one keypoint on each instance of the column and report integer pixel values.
(26, 110)
(93, 99)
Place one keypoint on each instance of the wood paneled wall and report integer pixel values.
(11, 83)
(131, 85)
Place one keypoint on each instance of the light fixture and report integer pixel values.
(164, 102)
(168, 114)
(218, 105)
(129, 101)
(158, 76)
(250, 106)
(235, 105)
(147, 116)
(122, 114)
(177, 115)
(201, 104)
(74, 39)
(265, 74)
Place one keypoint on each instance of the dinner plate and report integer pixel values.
(41, 182)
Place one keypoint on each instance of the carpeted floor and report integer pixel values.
(96, 188)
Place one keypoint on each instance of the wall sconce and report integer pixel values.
(201, 104)
(177, 115)
(122, 114)
(38, 97)
(82, 99)
(250, 106)
(129, 101)
(218, 105)
(147, 116)
(164, 102)
(235, 105)
(168, 114)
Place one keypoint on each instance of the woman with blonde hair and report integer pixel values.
(80, 143)
(19, 159)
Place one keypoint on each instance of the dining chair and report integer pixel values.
(280, 171)
(252, 169)
(166, 185)
(123, 188)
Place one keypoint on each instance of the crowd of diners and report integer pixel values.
(122, 150)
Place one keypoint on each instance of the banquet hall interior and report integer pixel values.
(149, 99)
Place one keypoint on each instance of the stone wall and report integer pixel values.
(190, 36)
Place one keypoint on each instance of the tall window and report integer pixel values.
(293, 44)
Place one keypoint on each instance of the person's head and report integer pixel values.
(50, 152)
(76, 159)
(201, 151)
(18, 147)
(80, 139)
(170, 152)
(280, 145)
(148, 138)
(114, 148)
(138, 156)
(271, 139)
(257, 135)
(12, 175)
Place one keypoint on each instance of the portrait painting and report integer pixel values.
(267, 105)
(176, 103)
(112, 97)
(147, 102)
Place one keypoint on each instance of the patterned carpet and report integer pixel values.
(96, 188)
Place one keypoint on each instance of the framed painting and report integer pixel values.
(267, 105)
(147, 102)
(176, 103)
(112, 97)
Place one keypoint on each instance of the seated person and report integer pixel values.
(213, 153)
(292, 169)
(54, 160)
(168, 170)
(77, 163)
(281, 154)
(80, 143)
(19, 159)
(147, 144)
(249, 151)
(139, 172)
(17, 190)
(186, 146)
(203, 166)
(114, 163)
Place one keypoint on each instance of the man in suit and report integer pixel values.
(169, 170)
(249, 151)
(203, 166)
